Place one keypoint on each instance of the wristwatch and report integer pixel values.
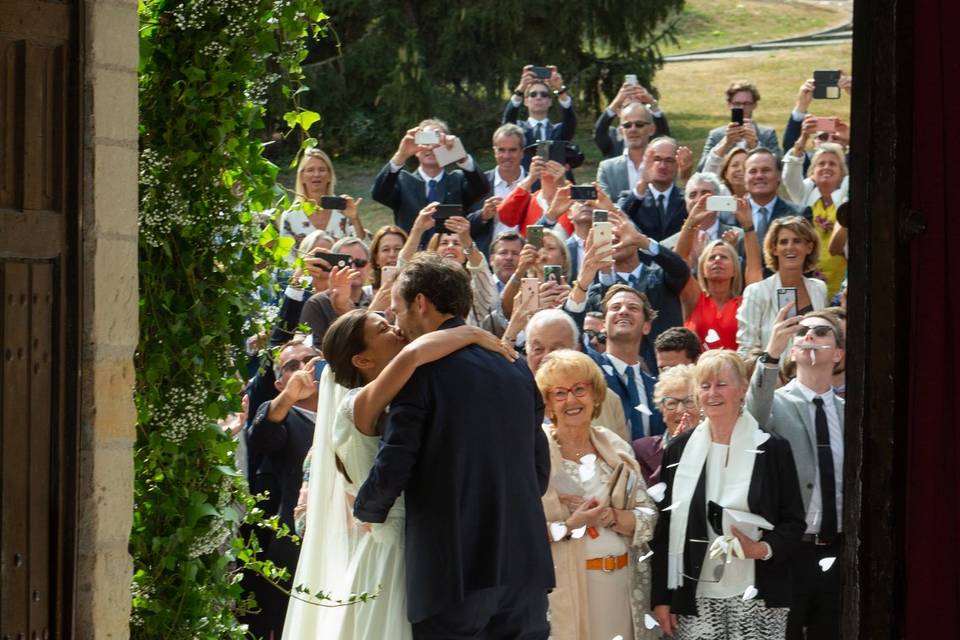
(766, 358)
(468, 251)
(518, 93)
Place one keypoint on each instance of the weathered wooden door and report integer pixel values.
(40, 92)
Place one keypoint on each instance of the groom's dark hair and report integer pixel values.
(441, 280)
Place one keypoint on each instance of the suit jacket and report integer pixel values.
(773, 494)
(758, 310)
(614, 176)
(766, 138)
(607, 137)
(645, 215)
(463, 442)
(563, 131)
(617, 386)
(786, 413)
(574, 249)
(482, 230)
(405, 192)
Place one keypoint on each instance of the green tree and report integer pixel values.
(398, 62)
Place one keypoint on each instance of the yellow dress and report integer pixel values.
(830, 269)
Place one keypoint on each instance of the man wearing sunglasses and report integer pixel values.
(536, 94)
(324, 307)
(808, 414)
(616, 175)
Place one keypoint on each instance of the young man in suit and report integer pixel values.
(407, 192)
(616, 175)
(464, 459)
(536, 94)
(485, 223)
(807, 413)
(609, 139)
(655, 204)
(740, 95)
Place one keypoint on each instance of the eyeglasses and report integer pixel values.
(638, 123)
(820, 330)
(663, 160)
(295, 365)
(670, 404)
(599, 336)
(538, 94)
(562, 393)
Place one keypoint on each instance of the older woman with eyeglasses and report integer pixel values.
(674, 396)
(599, 517)
(715, 575)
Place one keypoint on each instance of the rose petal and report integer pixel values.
(754, 451)
(642, 408)
(750, 593)
(671, 466)
(649, 621)
(644, 556)
(558, 531)
(657, 491)
(712, 336)
(826, 563)
(578, 533)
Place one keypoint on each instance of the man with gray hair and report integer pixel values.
(485, 223)
(553, 329)
(709, 225)
(323, 308)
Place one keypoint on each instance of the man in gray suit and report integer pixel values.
(808, 414)
(740, 95)
(615, 175)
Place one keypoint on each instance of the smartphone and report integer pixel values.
(630, 78)
(444, 211)
(553, 272)
(447, 156)
(530, 290)
(785, 295)
(535, 236)
(600, 215)
(602, 232)
(333, 202)
(340, 260)
(541, 72)
(826, 85)
(543, 149)
(721, 203)
(388, 274)
(426, 137)
(583, 192)
(736, 115)
(318, 368)
(828, 125)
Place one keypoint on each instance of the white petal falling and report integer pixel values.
(644, 556)
(657, 491)
(644, 409)
(607, 369)
(588, 467)
(671, 466)
(759, 437)
(754, 451)
(578, 533)
(673, 506)
(649, 621)
(813, 357)
(712, 336)
(558, 531)
(826, 563)
(647, 511)
(750, 593)
(617, 638)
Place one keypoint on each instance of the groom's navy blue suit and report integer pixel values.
(464, 444)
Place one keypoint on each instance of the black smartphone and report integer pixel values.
(826, 85)
(535, 235)
(333, 202)
(445, 211)
(583, 192)
(340, 260)
(541, 72)
(736, 115)
(543, 149)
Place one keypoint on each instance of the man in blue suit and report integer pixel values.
(407, 192)
(762, 179)
(472, 469)
(655, 204)
(536, 94)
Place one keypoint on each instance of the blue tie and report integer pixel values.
(432, 191)
(764, 223)
(633, 398)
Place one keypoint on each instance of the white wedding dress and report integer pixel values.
(336, 555)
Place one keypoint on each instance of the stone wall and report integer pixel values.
(109, 246)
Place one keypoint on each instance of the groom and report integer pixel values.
(464, 444)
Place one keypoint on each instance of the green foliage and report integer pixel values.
(206, 67)
(400, 62)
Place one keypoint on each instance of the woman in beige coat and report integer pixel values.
(599, 550)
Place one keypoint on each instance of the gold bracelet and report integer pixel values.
(577, 285)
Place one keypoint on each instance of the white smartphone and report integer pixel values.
(530, 290)
(447, 156)
(630, 78)
(785, 295)
(722, 203)
(426, 137)
(387, 275)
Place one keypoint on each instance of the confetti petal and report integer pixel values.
(826, 563)
(750, 593)
(558, 531)
(607, 369)
(759, 437)
(644, 556)
(578, 533)
(649, 621)
(657, 491)
(671, 466)
(617, 638)
(712, 336)
(588, 467)
(673, 506)
(754, 451)
(642, 408)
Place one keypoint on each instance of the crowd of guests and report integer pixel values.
(690, 356)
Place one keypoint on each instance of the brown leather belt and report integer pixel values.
(821, 542)
(608, 564)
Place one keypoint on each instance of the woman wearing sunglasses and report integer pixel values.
(713, 579)
(599, 517)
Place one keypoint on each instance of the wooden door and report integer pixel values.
(39, 216)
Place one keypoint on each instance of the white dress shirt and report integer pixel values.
(634, 171)
(835, 429)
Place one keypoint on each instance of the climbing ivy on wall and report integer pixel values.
(205, 258)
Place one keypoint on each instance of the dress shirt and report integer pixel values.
(501, 189)
(634, 171)
(427, 179)
(836, 450)
(655, 192)
(621, 368)
(756, 213)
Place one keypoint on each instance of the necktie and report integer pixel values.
(828, 484)
(762, 228)
(634, 281)
(432, 191)
(661, 209)
(633, 398)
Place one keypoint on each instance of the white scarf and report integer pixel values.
(736, 483)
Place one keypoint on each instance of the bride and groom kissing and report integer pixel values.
(437, 443)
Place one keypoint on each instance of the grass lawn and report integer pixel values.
(707, 24)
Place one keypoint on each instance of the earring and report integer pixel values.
(743, 402)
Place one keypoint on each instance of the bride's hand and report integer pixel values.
(491, 342)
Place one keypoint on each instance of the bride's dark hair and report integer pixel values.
(343, 340)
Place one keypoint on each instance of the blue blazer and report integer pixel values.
(644, 212)
(562, 131)
(464, 444)
(617, 386)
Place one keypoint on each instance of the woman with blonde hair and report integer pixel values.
(715, 577)
(385, 250)
(730, 168)
(599, 516)
(790, 249)
(316, 178)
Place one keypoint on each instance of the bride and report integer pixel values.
(338, 556)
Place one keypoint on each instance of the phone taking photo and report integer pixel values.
(318, 368)
(721, 203)
(785, 295)
(736, 115)
(826, 84)
(333, 202)
(600, 215)
(631, 78)
(535, 236)
(553, 272)
(445, 211)
(530, 293)
(542, 73)
(447, 156)
(583, 192)
(426, 137)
